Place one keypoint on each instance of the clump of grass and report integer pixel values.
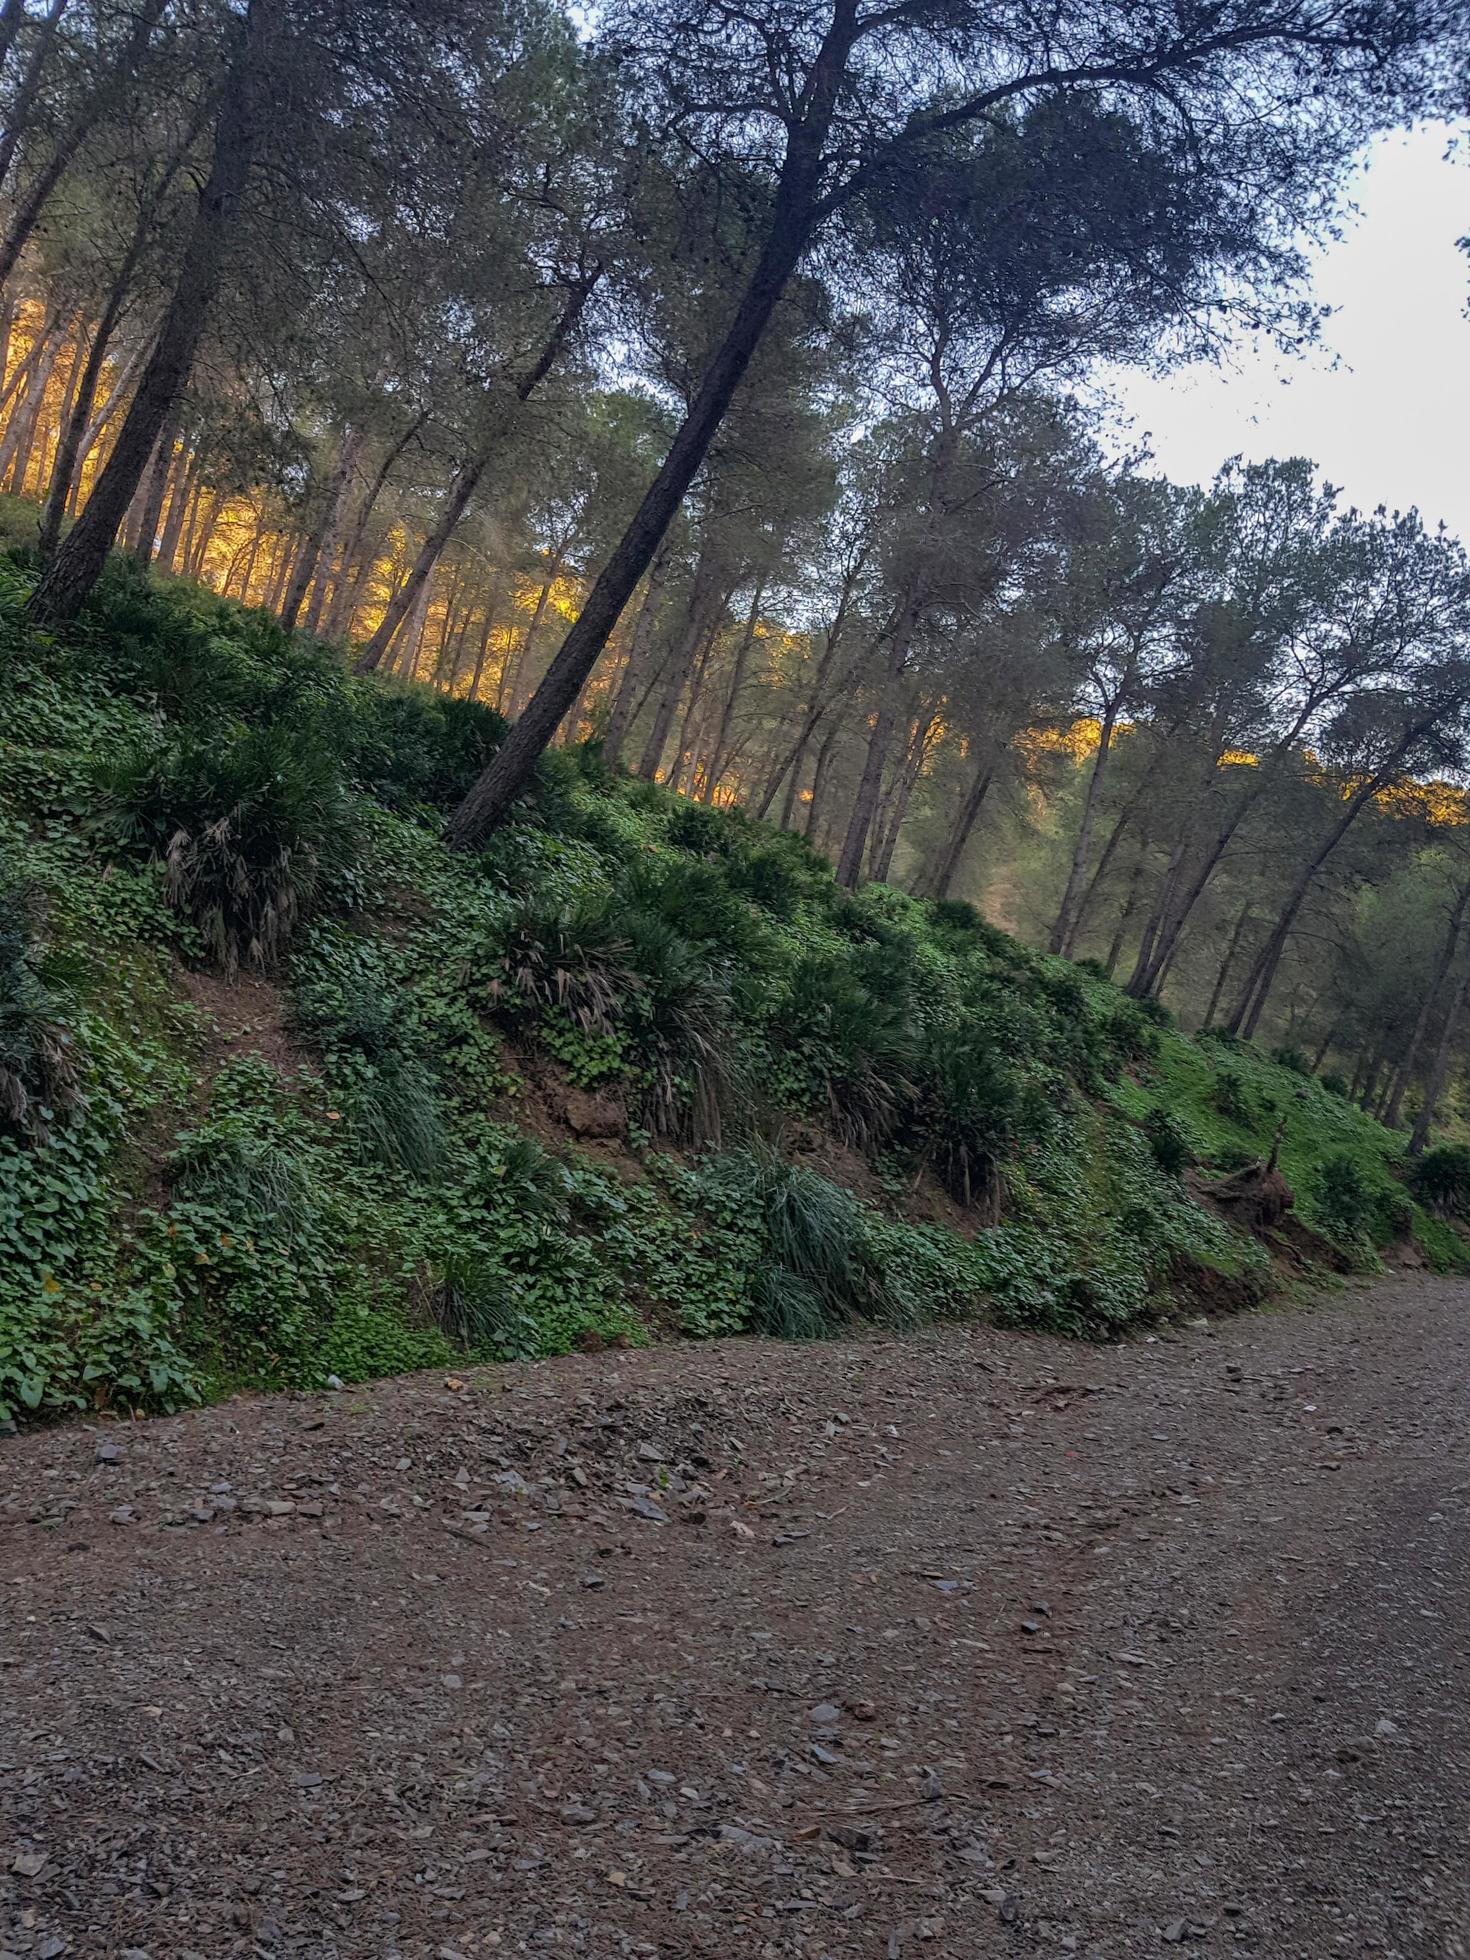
(40, 1068)
(248, 824)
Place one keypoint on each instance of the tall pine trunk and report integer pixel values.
(77, 565)
(1064, 932)
(793, 216)
(467, 478)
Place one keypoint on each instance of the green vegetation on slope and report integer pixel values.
(342, 1173)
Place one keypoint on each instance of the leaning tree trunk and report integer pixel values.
(80, 428)
(794, 213)
(1249, 1009)
(819, 701)
(1227, 965)
(880, 740)
(701, 623)
(69, 578)
(1439, 1068)
(468, 477)
(886, 842)
(630, 687)
(948, 861)
(719, 746)
(1064, 932)
(1405, 1071)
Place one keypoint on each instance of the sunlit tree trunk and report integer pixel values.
(78, 561)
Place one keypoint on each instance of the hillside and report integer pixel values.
(288, 1091)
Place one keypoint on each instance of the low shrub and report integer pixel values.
(40, 1068)
(410, 746)
(572, 958)
(1229, 1097)
(1166, 1139)
(818, 1271)
(1343, 1199)
(248, 824)
(1440, 1179)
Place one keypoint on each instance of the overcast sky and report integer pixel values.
(1391, 421)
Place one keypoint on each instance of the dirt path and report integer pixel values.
(960, 1646)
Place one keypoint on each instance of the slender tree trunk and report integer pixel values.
(1125, 917)
(206, 522)
(640, 649)
(69, 440)
(74, 570)
(793, 215)
(1227, 964)
(152, 491)
(27, 92)
(1324, 1046)
(1064, 932)
(184, 550)
(788, 801)
(721, 742)
(818, 701)
(1146, 968)
(483, 648)
(903, 795)
(701, 620)
(178, 507)
(968, 814)
(23, 415)
(524, 683)
(816, 810)
(83, 427)
(456, 502)
(880, 740)
(331, 542)
(1405, 1071)
(1439, 1069)
(24, 370)
(468, 476)
(410, 638)
(21, 434)
(1252, 1003)
(27, 213)
(683, 749)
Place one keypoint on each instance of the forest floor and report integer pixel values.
(963, 1644)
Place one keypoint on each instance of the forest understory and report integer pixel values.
(293, 1093)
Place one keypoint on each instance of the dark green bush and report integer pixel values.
(679, 1022)
(249, 823)
(974, 1110)
(817, 1272)
(1291, 1058)
(695, 900)
(1130, 1035)
(40, 1068)
(409, 746)
(856, 1048)
(1335, 1085)
(1167, 1141)
(569, 957)
(1229, 1097)
(695, 827)
(1343, 1198)
(1440, 1179)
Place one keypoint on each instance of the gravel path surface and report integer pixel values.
(962, 1645)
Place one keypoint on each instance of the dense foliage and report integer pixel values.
(348, 1143)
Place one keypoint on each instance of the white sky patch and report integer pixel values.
(1383, 404)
